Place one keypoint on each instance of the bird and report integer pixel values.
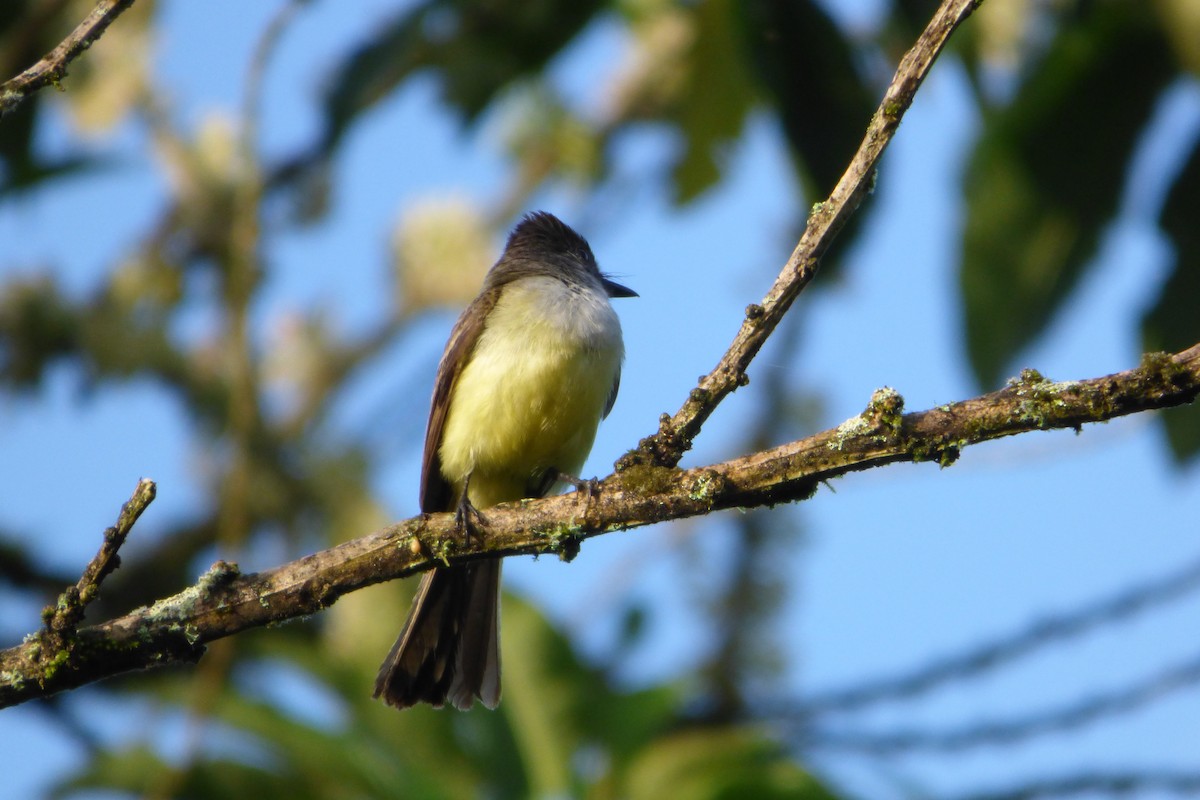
(531, 367)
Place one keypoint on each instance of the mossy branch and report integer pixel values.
(225, 602)
(52, 68)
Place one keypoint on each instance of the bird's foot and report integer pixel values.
(467, 518)
(590, 487)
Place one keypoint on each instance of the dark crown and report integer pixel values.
(543, 232)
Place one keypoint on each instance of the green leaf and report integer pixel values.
(23, 167)
(38, 325)
(711, 109)
(1173, 323)
(1047, 176)
(476, 48)
(139, 771)
(809, 70)
(543, 692)
(559, 707)
(706, 764)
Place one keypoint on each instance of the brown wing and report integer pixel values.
(612, 393)
(436, 492)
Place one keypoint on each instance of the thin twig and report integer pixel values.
(225, 602)
(68, 612)
(675, 434)
(52, 68)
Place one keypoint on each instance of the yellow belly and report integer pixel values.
(530, 398)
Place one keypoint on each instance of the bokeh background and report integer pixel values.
(232, 248)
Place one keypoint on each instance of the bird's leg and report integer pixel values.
(588, 487)
(467, 517)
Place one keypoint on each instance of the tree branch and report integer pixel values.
(62, 618)
(675, 434)
(52, 68)
(225, 602)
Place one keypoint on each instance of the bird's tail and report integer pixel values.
(449, 650)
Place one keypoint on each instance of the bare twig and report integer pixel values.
(980, 659)
(52, 68)
(225, 602)
(62, 618)
(675, 434)
(1129, 698)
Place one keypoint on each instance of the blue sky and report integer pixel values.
(897, 564)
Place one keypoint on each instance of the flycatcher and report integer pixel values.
(531, 367)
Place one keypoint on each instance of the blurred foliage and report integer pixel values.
(562, 731)
(26, 33)
(1173, 323)
(808, 69)
(477, 49)
(1052, 163)
(103, 88)
(1050, 172)
(698, 68)
(1080, 81)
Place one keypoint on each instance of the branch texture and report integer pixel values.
(63, 617)
(52, 68)
(675, 434)
(225, 602)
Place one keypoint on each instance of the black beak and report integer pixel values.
(615, 289)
